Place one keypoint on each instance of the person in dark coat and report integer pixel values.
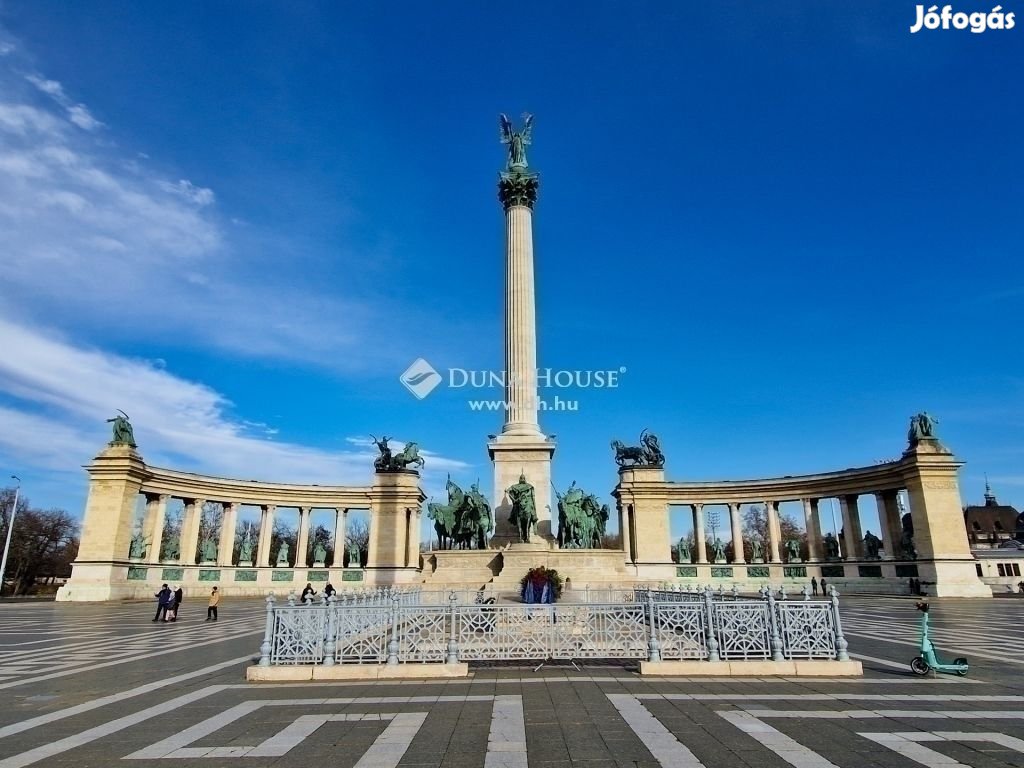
(329, 590)
(179, 596)
(814, 586)
(163, 600)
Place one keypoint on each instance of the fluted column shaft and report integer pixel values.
(190, 530)
(851, 526)
(774, 531)
(226, 543)
(698, 533)
(737, 534)
(266, 527)
(302, 545)
(340, 522)
(153, 526)
(812, 524)
(520, 325)
(889, 520)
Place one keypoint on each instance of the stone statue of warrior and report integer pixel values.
(123, 434)
(517, 140)
(524, 507)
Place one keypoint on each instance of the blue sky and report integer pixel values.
(794, 224)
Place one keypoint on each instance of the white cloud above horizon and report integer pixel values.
(61, 393)
(90, 231)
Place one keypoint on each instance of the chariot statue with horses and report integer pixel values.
(394, 462)
(647, 454)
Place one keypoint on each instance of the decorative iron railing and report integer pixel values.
(394, 627)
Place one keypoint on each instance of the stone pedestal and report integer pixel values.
(511, 456)
(395, 500)
(641, 496)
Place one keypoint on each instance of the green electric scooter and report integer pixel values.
(927, 661)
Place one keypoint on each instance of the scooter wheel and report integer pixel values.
(919, 666)
(961, 662)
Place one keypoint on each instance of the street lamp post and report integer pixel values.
(835, 529)
(10, 528)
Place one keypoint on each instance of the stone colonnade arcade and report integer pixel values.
(105, 569)
(927, 472)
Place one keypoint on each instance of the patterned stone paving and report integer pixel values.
(100, 686)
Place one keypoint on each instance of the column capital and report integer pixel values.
(268, 507)
(516, 188)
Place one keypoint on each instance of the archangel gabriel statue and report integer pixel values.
(517, 141)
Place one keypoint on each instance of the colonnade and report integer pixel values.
(926, 473)
(852, 544)
(156, 513)
(106, 568)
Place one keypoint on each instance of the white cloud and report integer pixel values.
(77, 113)
(189, 191)
(93, 238)
(65, 392)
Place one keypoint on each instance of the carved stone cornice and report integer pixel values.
(516, 188)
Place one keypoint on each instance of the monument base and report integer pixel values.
(512, 456)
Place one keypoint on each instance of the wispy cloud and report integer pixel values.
(77, 113)
(94, 238)
(63, 393)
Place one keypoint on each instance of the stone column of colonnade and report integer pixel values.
(302, 544)
(153, 525)
(266, 526)
(190, 531)
(774, 532)
(340, 526)
(698, 533)
(852, 544)
(738, 557)
(889, 520)
(812, 526)
(226, 542)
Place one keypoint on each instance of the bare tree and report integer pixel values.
(43, 545)
(211, 518)
(357, 533)
(755, 524)
(170, 541)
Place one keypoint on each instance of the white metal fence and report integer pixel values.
(395, 627)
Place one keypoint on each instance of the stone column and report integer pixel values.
(391, 495)
(698, 533)
(521, 447)
(890, 523)
(190, 530)
(302, 545)
(774, 532)
(226, 543)
(340, 523)
(266, 527)
(412, 531)
(851, 526)
(738, 557)
(153, 526)
(812, 524)
(624, 532)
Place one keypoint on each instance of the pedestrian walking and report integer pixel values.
(824, 587)
(163, 599)
(308, 591)
(814, 586)
(172, 611)
(211, 606)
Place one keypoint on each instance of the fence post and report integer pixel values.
(332, 633)
(712, 636)
(393, 645)
(453, 643)
(653, 646)
(776, 637)
(268, 634)
(841, 644)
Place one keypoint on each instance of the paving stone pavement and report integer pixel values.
(94, 686)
